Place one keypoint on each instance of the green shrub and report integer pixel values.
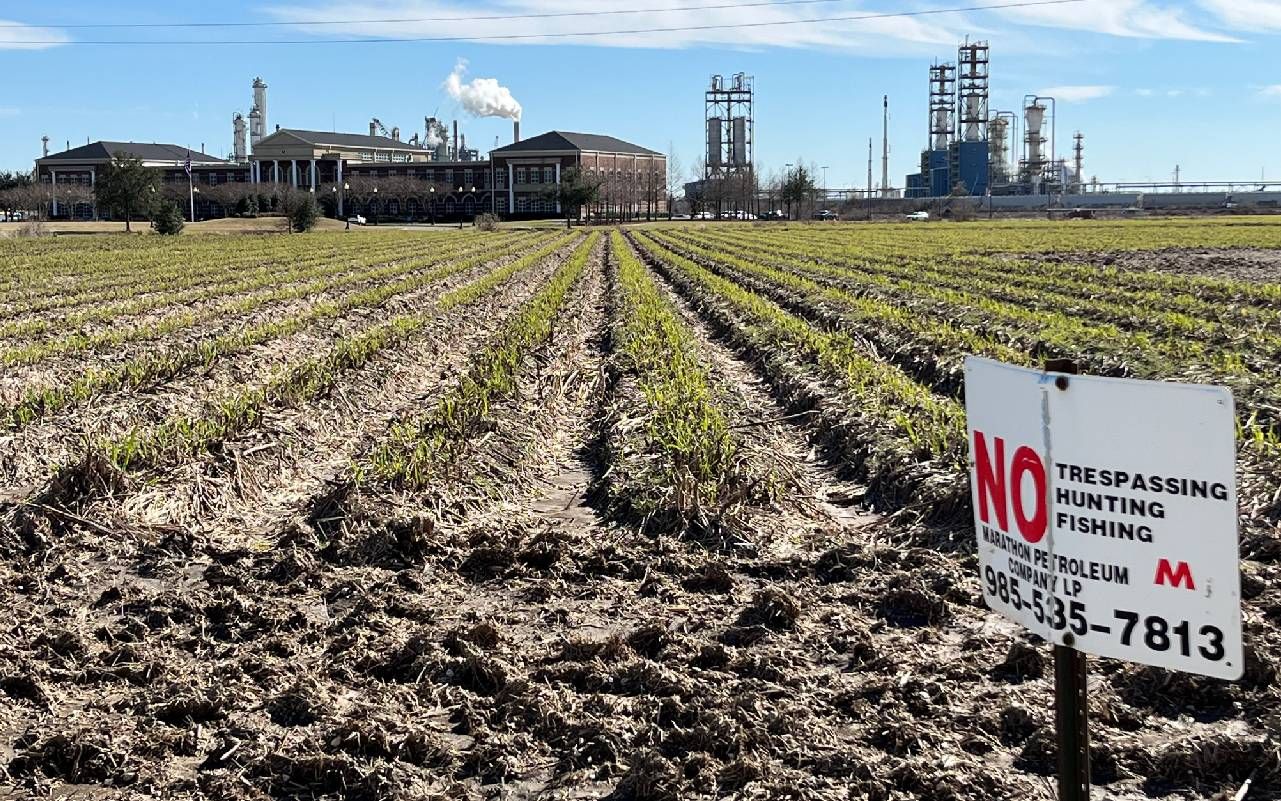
(305, 213)
(168, 220)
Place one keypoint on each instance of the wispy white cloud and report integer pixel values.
(895, 36)
(1246, 15)
(9, 111)
(1272, 92)
(16, 36)
(1138, 19)
(1077, 94)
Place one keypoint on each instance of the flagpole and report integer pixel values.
(191, 188)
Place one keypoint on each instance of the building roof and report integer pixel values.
(566, 140)
(331, 139)
(147, 151)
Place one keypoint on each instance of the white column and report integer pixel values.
(293, 173)
(511, 188)
(93, 181)
(275, 171)
(314, 173)
(342, 212)
(53, 177)
(558, 184)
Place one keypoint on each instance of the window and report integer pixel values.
(522, 176)
(549, 175)
(500, 179)
(400, 158)
(469, 179)
(449, 178)
(522, 203)
(366, 155)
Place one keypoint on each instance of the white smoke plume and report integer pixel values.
(435, 135)
(482, 97)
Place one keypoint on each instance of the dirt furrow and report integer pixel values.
(821, 507)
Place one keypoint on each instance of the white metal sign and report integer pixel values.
(1106, 513)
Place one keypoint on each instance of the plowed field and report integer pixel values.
(674, 512)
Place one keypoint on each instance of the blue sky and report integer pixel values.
(1151, 83)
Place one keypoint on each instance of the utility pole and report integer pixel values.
(885, 153)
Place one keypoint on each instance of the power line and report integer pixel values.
(564, 34)
(412, 20)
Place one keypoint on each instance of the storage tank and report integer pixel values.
(740, 142)
(714, 142)
(1034, 116)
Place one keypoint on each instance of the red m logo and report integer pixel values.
(1174, 576)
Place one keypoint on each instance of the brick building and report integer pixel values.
(633, 179)
(71, 174)
(384, 177)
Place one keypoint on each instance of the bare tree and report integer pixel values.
(675, 180)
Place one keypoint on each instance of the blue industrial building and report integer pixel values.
(959, 156)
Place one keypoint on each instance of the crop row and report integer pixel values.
(908, 442)
(1015, 248)
(301, 381)
(1065, 237)
(415, 451)
(131, 277)
(78, 270)
(150, 369)
(675, 463)
(1174, 308)
(239, 304)
(1099, 348)
(134, 299)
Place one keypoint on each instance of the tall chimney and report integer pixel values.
(44, 141)
(456, 154)
(885, 152)
(373, 129)
(515, 131)
(395, 134)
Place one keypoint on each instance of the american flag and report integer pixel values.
(187, 165)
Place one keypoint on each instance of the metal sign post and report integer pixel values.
(1071, 677)
(1071, 723)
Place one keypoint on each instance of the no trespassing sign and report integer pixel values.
(1106, 513)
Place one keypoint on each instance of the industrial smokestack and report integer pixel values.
(44, 142)
(258, 114)
(239, 150)
(395, 134)
(455, 140)
(885, 152)
(515, 132)
(373, 129)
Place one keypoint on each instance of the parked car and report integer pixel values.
(704, 215)
(826, 214)
(919, 216)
